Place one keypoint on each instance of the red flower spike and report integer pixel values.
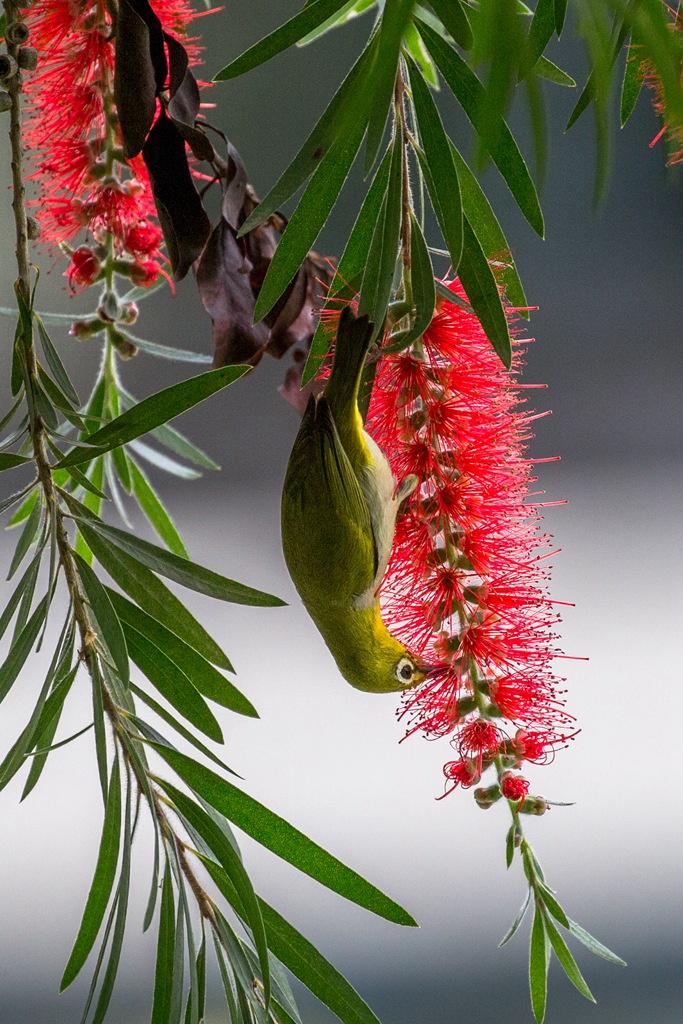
(82, 180)
(466, 584)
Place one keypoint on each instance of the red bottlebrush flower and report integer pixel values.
(513, 787)
(461, 773)
(466, 583)
(71, 133)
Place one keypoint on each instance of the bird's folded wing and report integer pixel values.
(326, 527)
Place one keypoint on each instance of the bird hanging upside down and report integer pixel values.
(339, 505)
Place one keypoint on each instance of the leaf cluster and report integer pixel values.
(149, 661)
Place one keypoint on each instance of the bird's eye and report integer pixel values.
(405, 670)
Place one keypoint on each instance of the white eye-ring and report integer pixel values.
(405, 670)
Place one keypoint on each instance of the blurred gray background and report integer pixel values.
(608, 287)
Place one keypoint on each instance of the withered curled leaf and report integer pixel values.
(183, 220)
(225, 291)
(135, 87)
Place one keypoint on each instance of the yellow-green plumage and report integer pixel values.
(339, 506)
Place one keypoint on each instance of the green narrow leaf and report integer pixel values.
(151, 734)
(178, 956)
(510, 845)
(281, 838)
(102, 883)
(453, 16)
(172, 683)
(442, 181)
(107, 619)
(381, 259)
(538, 966)
(26, 584)
(47, 706)
(590, 90)
(554, 907)
(244, 981)
(181, 570)
(540, 32)
(350, 10)
(163, 974)
(569, 964)
(200, 969)
(100, 731)
(82, 480)
(593, 945)
(120, 461)
(48, 725)
(154, 597)
(164, 462)
(517, 921)
(424, 290)
(545, 68)
(422, 276)
(151, 504)
(20, 649)
(382, 80)
(481, 287)
(632, 81)
(560, 15)
(154, 888)
(27, 538)
(53, 360)
(352, 262)
(327, 129)
(93, 502)
(207, 679)
(308, 19)
(301, 957)
(499, 141)
(176, 355)
(232, 865)
(157, 409)
(14, 498)
(9, 461)
(314, 206)
(121, 917)
(172, 438)
(225, 978)
(59, 399)
(413, 44)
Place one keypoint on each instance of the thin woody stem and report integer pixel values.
(88, 652)
(13, 87)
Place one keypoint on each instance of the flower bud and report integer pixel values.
(129, 313)
(124, 346)
(17, 33)
(534, 805)
(5, 101)
(28, 58)
(108, 309)
(82, 330)
(33, 228)
(8, 66)
(486, 797)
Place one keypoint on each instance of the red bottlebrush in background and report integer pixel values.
(84, 182)
(466, 584)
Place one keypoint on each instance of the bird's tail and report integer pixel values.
(354, 335)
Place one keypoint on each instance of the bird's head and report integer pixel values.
(371, 659)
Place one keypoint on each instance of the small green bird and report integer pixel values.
(339, 506)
